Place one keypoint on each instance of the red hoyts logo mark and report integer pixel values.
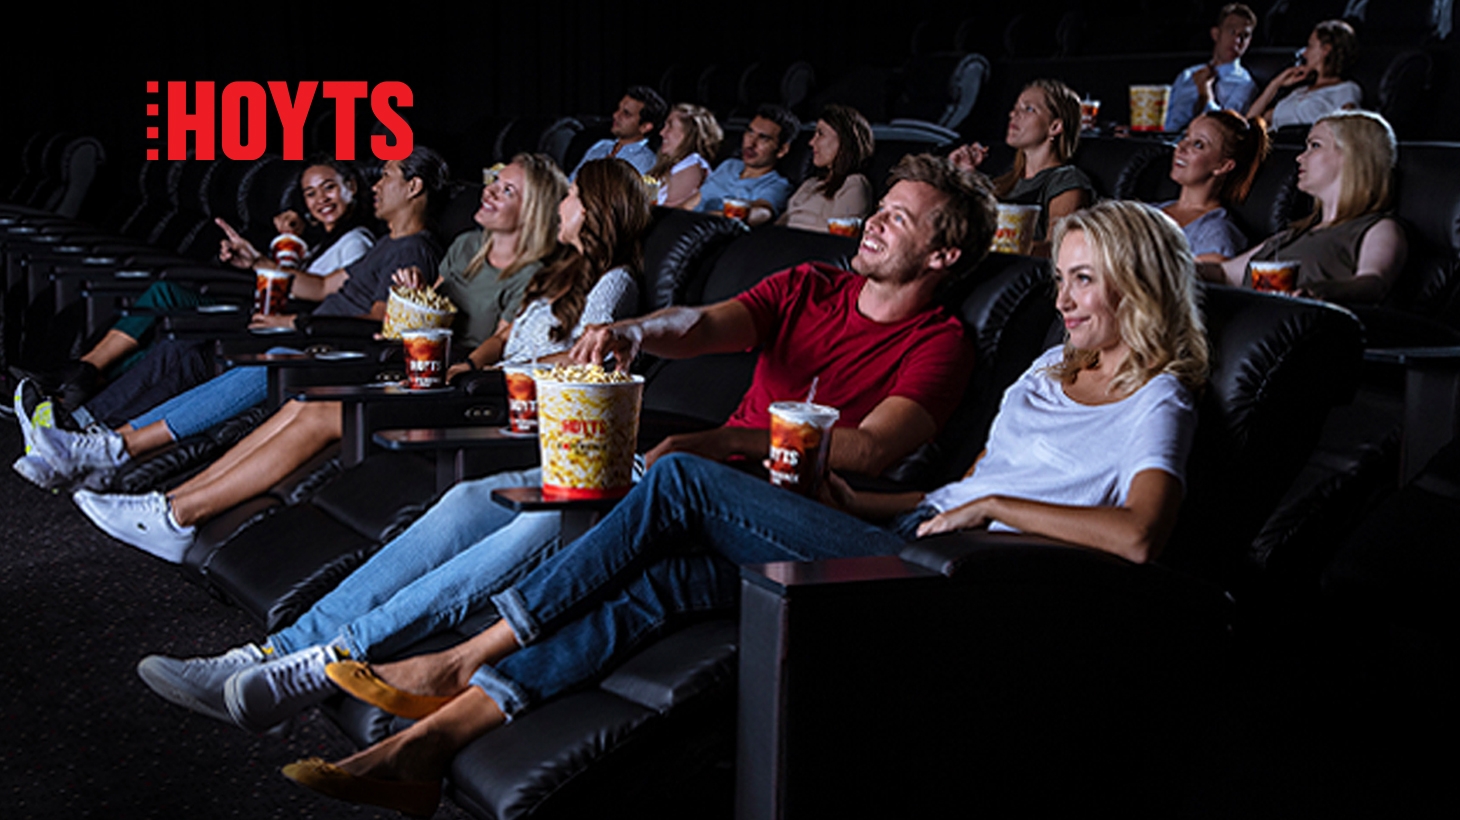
(244, 106)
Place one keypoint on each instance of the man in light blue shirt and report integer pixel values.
(1221, 83)
(753, 176)
(640, 113)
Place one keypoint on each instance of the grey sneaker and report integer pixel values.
(78, 454)
(144, 521)
(261, 697)
(197, 683)
(38, 471)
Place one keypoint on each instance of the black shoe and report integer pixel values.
(82, 381)
(31, 396)
(48, 381)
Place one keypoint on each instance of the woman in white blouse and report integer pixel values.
(1324, 63)
(691, 139)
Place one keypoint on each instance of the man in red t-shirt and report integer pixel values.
(883, 353)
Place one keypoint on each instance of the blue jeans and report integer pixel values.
(672, 546)
(212, 402)
(442, 569)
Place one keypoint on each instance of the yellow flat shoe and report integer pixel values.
(358, 679)
(415, 798)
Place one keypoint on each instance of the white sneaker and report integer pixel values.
(144, 521)
(75, 455)
(38, 471)
(197, 683)
(38, 413)
(264, 695)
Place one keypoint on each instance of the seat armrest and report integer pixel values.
(1034, 663)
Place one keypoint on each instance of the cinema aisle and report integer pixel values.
(82, 736)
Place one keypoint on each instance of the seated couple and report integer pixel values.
(627, 574)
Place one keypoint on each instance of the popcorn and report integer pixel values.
(588, 426)
(583, 374)
(415, 309)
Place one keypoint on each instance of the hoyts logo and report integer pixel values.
(193, 108)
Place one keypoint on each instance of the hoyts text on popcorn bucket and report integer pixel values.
(237, 117)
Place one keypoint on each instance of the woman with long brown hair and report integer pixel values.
(840, 150)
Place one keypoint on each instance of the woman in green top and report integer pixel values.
(1044, 130)
(484, 272)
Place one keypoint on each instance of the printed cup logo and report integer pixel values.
(288, 250)
(521, 399)
(271, 291)
(587, 433)
(239, 118)
(427, 352)
(1275, 276)
(800, 444)
(1148, 107)
(736, 209)
(1015, 231)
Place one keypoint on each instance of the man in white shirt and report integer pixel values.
(640, 113)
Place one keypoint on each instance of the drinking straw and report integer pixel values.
(811, 396)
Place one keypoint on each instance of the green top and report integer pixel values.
(484, 298)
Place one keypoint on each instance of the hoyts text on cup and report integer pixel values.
(238, 117)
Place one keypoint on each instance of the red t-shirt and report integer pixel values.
(807, 321)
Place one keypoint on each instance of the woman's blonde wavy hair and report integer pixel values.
(1148, 270)
(702, 135)
(537, 238)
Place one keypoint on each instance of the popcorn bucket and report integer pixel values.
(1015, 231)
(410, 310)
(588, 434)
(1148, 107)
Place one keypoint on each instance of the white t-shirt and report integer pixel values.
(345, 250)
(614, 297)
(1306, 105)
(683, 165)
(1045, 446)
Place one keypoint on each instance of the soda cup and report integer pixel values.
(736, 208)
(800, 444)
(1089, 111)
(427, 351)
(1275, 275)
(843, 225)
(1015, 231)
(521, 399)
(271, 291)
(288, 251)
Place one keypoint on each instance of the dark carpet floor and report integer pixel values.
(80, 734)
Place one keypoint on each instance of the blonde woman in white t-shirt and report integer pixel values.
(691, 139)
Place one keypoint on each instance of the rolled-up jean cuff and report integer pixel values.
(83, 417)
(348, 642)
(513, 610)
(508, 695)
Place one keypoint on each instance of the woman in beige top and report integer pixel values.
(840, 149)
(692, 137)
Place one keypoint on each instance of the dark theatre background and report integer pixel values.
(1319, 731)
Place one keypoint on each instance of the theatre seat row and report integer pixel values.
(1276, 357)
